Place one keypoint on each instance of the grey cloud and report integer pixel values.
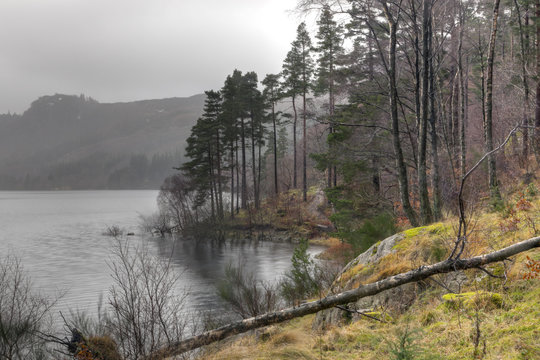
(119, 50)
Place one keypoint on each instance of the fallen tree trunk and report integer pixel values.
(345, 297)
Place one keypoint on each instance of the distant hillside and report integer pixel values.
(75, 142)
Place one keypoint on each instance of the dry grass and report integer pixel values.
(508, 332)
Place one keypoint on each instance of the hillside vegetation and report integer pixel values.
(491, 318)
(75, 142)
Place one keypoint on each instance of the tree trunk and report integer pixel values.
(346, 297)
(435, 177)
(329, 180)
(332, 113)
(400, 162)
(463, 95)
(220, 189)
(238, 189)
(295, 165)
(425, 207)
(492, 169)
(244, 178)
(537, 112)
(232, 180)
(259, 166)
(370, 59)
(304, 149)
(213, 206)
(305, 89)
(417, 94)
(526, 105)
(276, 190)
(254, 162)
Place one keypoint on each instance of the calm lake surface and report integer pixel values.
(59, 237)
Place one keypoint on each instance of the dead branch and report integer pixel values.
(421, 273)
(359, 312)
(462, 231)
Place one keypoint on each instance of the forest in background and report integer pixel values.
(387, 106)
(73, 142)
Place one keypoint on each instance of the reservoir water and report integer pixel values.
(59, 237)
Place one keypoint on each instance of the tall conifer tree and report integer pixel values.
(330, 49)
(291, 87)
(305, 65)
(271, 95)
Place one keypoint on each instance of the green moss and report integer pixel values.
(402, 244)
(380, 315)
(413, 232)
(437, 228)
(470, 300)
(366, 270)
(352, 272)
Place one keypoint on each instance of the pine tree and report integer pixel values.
(200, 168)
(204, 148)
(213, 116)
(252, 102)
(305, 65)
(292, 88)
(271, 95)
(330, 49)
(234, 118)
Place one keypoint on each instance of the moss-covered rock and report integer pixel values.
(437, 228)
(473, 300)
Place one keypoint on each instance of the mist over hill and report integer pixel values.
(75, 142)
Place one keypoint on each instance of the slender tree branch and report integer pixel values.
(462, 230)
(353, 311)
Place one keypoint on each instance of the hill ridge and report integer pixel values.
(60, 131)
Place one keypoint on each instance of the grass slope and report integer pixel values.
(496, 319)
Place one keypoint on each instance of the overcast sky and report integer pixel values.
(124, 50)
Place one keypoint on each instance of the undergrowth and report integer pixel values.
(497, 319)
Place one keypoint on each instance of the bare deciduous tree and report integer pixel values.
(175, 203)
(23, 314)
(146, 306)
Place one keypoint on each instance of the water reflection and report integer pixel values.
(59, 238)
(203, 264)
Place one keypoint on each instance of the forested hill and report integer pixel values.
(75, 142)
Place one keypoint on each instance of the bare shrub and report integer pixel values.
(87, 323)
(146, 309)
(247, 295)
(24, 315)
(114, 231)
(176, 200)
(157, 223)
